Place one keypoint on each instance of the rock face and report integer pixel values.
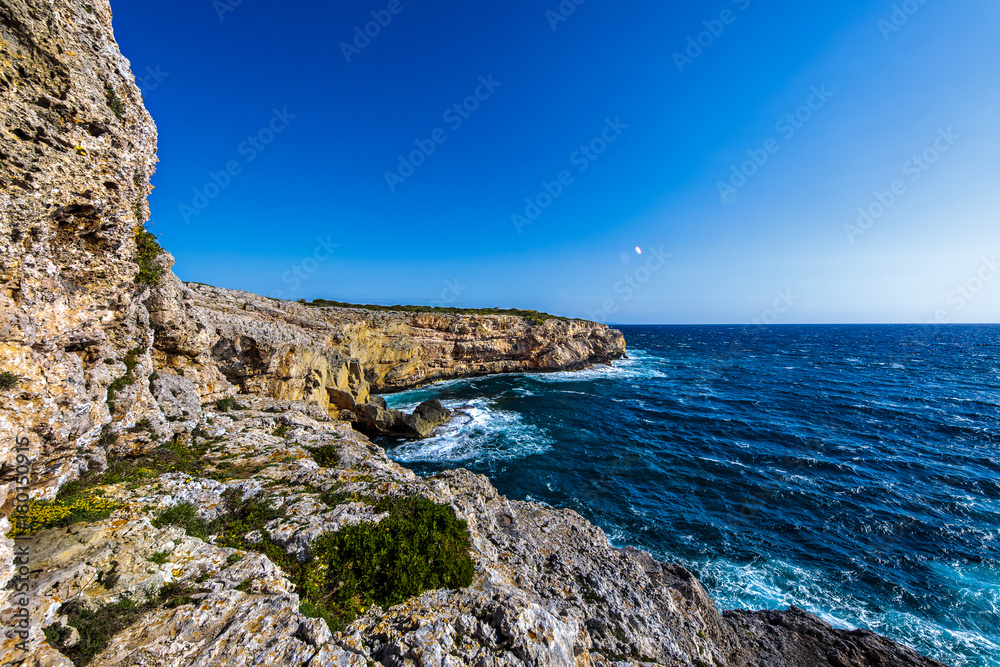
(106, 353)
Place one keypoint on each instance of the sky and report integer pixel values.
(723, 161)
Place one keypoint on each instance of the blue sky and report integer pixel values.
(733, 142)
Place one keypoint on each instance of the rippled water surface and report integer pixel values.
(852, 471)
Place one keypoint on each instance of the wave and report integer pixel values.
(778, 585)
(478, 432)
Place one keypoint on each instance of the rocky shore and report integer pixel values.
(190, 452)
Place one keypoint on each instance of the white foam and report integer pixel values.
(478, 432)
(778, 585)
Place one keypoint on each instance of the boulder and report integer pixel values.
(376, 418)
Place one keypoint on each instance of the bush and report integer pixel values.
(227, 404)
(420, 546)
(242, 517)
(327, 456)
(96, 627)
(147, 250)
(118, 384)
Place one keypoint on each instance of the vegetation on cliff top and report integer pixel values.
(419, 546)
(533, 316)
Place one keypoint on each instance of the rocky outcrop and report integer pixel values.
(376, 418)
(549, 588)
(337, 357)
(106, 353)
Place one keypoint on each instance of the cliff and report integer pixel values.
(121, 379)
(336, 357)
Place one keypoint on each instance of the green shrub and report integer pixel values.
(327, 456)
(420, 546)
(8, 380)
(160, 557)
(147, 250)
(227, 404)
(96, 627)
(242, 517)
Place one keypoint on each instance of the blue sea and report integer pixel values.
(853, 471)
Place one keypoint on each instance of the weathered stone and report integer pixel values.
(178, 399)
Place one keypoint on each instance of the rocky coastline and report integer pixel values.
(183, 450)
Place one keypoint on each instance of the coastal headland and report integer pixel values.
(181, 479)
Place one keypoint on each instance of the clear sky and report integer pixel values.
(520, 154)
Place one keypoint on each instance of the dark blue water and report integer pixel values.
(853, 471)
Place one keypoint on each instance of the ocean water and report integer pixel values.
(853, 471)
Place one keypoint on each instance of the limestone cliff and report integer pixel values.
(335, 357)
(105, 354)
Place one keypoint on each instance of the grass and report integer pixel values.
(8, 380)
(82, 499)
(147, 250)
(533, 316)
(226, 471)
(184, 515)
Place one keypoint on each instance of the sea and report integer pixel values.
(853, 471)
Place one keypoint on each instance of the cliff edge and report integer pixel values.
(175, 458)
